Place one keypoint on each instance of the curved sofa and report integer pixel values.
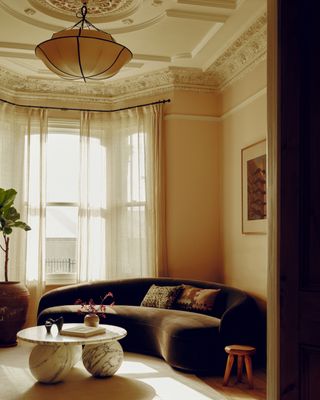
(189, 341)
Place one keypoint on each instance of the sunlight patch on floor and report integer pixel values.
(134, 367)
(15, 380)
(170, 388)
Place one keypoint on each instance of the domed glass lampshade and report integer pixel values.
(80, 53)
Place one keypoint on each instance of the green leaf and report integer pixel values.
(22, 225)
(7, 230)
(2, 196)
(11, 214)
(9, 197)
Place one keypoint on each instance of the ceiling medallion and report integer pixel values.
(94, 7)
(97, 9)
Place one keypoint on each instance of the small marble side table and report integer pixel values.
(54, 354)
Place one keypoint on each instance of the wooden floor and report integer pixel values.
(239, 391)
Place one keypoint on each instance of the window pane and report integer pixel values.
(61, 265)
(60, 255)
(136, 168)
(61, 244)
(62, 167)
(61, 222)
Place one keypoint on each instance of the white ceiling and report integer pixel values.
(160, 33)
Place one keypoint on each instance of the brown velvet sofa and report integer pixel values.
(189, 341)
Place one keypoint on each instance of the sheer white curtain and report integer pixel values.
(35, 198)
(13, 123)
(121, 218)
(22, 165)
(121, 204)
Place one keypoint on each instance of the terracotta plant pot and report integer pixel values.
(14, 300)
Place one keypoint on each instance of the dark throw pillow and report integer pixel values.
(161, 296)
(196, 299)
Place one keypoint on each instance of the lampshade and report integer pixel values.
(83, 53)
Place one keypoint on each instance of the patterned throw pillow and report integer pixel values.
(161, 296)
(197, 299)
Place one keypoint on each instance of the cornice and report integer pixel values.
(237, 60)
(243, 54)
(154, 82)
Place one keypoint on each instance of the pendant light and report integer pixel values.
(83, 52)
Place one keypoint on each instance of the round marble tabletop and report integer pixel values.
(39, 335)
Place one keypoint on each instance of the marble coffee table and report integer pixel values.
(54, 355)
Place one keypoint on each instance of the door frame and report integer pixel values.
(273, 284)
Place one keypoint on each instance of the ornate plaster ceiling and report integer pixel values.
(98, 10)
(204, 37)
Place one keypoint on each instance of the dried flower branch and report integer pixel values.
(91, 308)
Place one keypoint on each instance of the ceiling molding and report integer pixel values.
(211, 3)
(40, 23)
(30, 20)
(17, 46)
(149, 57)
(196, 16)
(15, 54)
(205, 40)
(238, 59)
(56, 28)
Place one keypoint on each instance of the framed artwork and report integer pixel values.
(254, 188)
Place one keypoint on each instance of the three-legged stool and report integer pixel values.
(244, 354)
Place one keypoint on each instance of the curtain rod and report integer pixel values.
(85, 109)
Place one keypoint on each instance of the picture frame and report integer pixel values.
(254, 188)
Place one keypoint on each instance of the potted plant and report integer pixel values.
(14, 296)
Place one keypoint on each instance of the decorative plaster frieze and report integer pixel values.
(248, 50)
(143, 84)
(239, 58)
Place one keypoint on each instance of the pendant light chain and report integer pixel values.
(84, 11)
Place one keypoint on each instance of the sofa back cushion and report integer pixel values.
(196, 299)
(161, 296)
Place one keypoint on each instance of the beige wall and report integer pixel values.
(244, 122)
(204, 135)
(192, 186)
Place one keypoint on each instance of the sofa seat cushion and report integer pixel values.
(177, 336)
(175, 321)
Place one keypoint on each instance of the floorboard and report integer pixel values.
(239, 391)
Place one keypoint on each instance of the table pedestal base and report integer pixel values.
(102, 360)
(51, 363)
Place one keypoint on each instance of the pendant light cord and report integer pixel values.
(85, 109)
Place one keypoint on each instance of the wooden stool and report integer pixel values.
(243, 352)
